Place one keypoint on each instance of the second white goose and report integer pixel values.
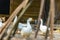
(43, 28)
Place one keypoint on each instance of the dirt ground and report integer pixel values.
(40, 36)
(56, 36)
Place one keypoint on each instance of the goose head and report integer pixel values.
(29, 19)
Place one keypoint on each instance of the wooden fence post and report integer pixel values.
(52, 14)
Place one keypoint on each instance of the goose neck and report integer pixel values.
(28, 24)
(41, 22)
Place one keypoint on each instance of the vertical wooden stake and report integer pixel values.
(48, 22)
(40, 13)
(52, 11)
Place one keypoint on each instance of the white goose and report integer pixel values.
(43, 28)
(10, 26)
(26, 31)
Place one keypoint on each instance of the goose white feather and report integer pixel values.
(21, 25)
(1, 24)
(15, 19)
(43, 28)
(26, 31)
